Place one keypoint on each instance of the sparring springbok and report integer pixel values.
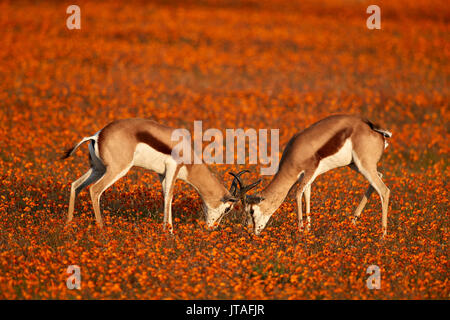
(144, 143)
(336, 141)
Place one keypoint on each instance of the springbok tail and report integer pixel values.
(377, 128)
(70, 151)
(384, 132)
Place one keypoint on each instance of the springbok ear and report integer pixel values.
(251, 199)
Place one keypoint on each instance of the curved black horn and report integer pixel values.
(251, 186)
(242, 172)
(238, 180)
(233, 187)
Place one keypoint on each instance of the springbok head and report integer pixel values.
(248, 200)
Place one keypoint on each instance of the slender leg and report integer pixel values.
(303, 185)
(365, 197)
(110, 177)
(299, 208)
(168, 184)
(363, 203)
(384, 193)
(385, 205)
(161, 179)
(308, 206)
(95, 197)
(95, 175)
(73, 193)
(374, 178)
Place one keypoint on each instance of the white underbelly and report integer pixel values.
(340, 159)
(151, 159)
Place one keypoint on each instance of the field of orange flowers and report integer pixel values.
(233, 64)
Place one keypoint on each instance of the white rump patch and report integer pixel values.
(215, 215)
(260, 219)
(95, 137)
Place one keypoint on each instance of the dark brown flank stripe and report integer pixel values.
(146, 137)
(334, 144)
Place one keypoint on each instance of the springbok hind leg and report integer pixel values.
(365, 198)
(109, 178)
(363, 203)
(89, 177)
(374, 178)
(74, 192)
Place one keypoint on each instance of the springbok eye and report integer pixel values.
(227, 209)
(252, 211)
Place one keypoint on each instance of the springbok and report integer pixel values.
(122, 144)
(336, 141)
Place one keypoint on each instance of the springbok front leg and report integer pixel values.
(161, 179)
(304, 187)
(299, 197)
(308, 206)
(168, 186)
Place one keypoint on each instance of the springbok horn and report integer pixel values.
(251, 186)
(236, 180)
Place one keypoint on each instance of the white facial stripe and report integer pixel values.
(215, 215)
(259, 219)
